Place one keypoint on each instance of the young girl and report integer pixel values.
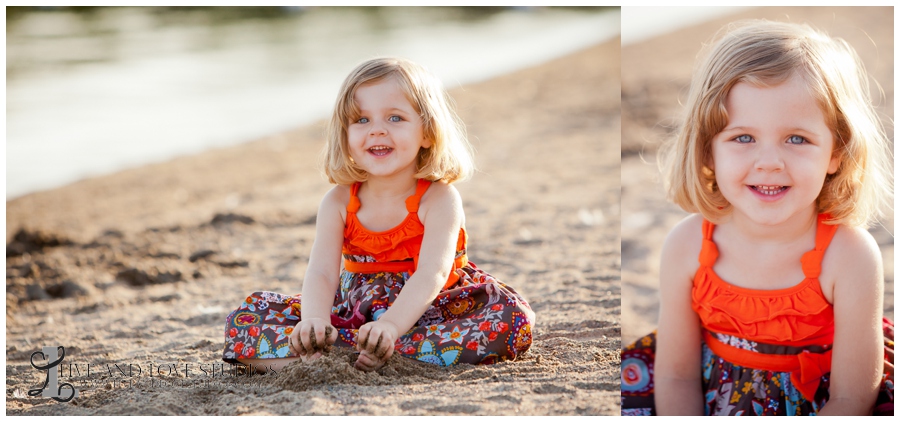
(771, 294)
(388, 270)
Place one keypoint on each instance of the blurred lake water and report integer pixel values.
(90, 91)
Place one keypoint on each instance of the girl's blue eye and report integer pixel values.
(395, 118)
(796, 140)
(744, 139)
(362, 120)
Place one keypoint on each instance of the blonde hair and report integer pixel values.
(450, 156)
(765, 53)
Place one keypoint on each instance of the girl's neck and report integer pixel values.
(390, 186)
(790, 230)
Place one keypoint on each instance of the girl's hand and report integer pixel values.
(375, 343)
(311, 336)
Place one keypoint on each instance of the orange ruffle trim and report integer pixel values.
(797, 315)
(396, 249)
(397, 244)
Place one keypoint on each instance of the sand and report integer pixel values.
(655, 81)
(141, 267)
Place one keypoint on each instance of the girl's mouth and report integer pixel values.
(380, 150)
(769, 190)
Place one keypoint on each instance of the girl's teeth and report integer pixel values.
(380, 150)
(769, 190)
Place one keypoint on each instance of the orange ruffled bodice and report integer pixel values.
(795, 316)
(396, 249)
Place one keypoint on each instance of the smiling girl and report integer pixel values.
(771, 293)
(388, 271)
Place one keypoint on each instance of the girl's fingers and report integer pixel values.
(373, 345)
(317, 337)
(366, 362)
(362, 338)
(294, 341)
(291, 340)
(362, 362)
(310, 337)
(385, 351)
(332, 334)
(306, 345)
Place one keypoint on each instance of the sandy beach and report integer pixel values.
(655, 80)
(141, 267)
(134, 273)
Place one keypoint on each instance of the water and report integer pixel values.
(91, 92)
(643, 22)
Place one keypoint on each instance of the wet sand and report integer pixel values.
(141, 267)
(655, 83)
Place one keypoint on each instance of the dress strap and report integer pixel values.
(353, 204)
(812, 260)
(412, 203)
(708, 252)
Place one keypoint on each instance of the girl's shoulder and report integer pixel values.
(335, 201)
(852, 256)
(687, 235)
(681, 249)
(855, 241)
(441, 199)
(337, 195)
(440, 194)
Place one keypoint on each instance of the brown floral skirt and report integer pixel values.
(479, 320)
(731, 389)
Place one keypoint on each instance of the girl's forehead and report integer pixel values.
(379, 92)
(792, 98)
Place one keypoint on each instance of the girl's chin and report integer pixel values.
(773, 218)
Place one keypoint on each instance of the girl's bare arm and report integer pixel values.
(442, 215)
(854, 261)
(677, 367)
(323, 272)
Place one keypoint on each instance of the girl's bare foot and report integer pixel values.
(311, 358)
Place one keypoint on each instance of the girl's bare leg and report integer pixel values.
(268, 365)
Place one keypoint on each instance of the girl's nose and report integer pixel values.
(377, 129)
(769, 158)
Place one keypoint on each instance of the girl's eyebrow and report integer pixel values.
(792, 130)
(389, 110)
(386, 107)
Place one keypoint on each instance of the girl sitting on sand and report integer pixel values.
(396, 223)
(771, 295)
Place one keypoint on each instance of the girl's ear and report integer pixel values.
(835, 163)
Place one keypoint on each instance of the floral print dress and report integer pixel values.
(475, 319)
(764, 352)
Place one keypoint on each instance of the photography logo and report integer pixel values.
(51, 387)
